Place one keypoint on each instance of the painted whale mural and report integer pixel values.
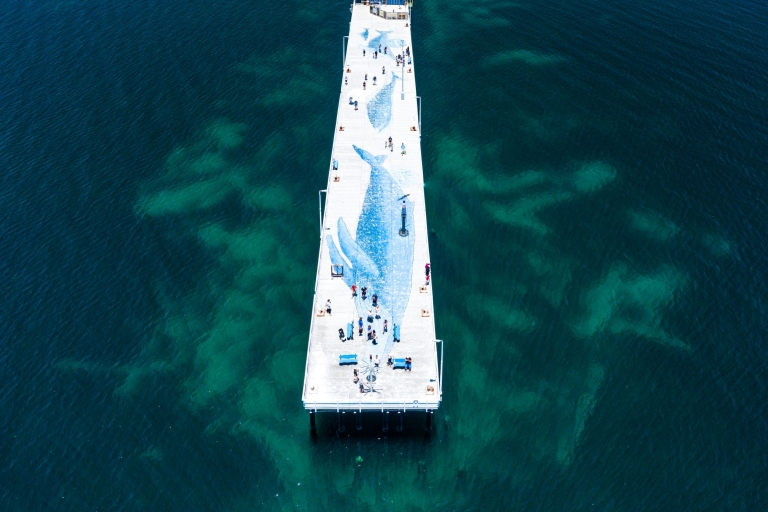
(393, 45)
(378, 257)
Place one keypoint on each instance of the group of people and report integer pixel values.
(402, 58)
(374, 359)
(388, 144)
(408, 364)
(377, 52)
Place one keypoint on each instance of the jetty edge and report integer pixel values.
(372, 344)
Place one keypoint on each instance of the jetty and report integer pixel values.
(372, 343)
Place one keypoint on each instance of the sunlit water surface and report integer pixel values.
(596, 182)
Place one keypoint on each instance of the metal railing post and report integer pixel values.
(418, 98)
(442, 347)
(320, 209)
(343, 53)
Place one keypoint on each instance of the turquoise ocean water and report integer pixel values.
(596, 188)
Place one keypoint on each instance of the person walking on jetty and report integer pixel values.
(383, 70)
(328, 306)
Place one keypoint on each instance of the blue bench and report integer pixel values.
(398, 363)
(350, 359)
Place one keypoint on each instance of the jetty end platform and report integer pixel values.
(373, 235)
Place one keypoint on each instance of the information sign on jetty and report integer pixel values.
(372, 273)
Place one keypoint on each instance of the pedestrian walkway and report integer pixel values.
(374, 233)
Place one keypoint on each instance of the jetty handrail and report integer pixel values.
(320, 212)
(418, 99)
(344, 51)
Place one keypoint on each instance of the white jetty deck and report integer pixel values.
(368, 185)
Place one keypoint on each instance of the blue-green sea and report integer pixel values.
(596, 180)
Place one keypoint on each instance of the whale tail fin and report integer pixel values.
(373, 161)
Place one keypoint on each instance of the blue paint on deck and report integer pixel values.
(379, 258)
(384, 41)
(380, 107)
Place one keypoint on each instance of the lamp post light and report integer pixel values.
(403, 231)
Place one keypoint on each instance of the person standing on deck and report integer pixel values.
(360, 327)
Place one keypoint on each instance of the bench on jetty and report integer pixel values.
(349, 359)
(398, 363)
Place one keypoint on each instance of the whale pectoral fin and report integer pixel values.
(337, 259)
(361, 262)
